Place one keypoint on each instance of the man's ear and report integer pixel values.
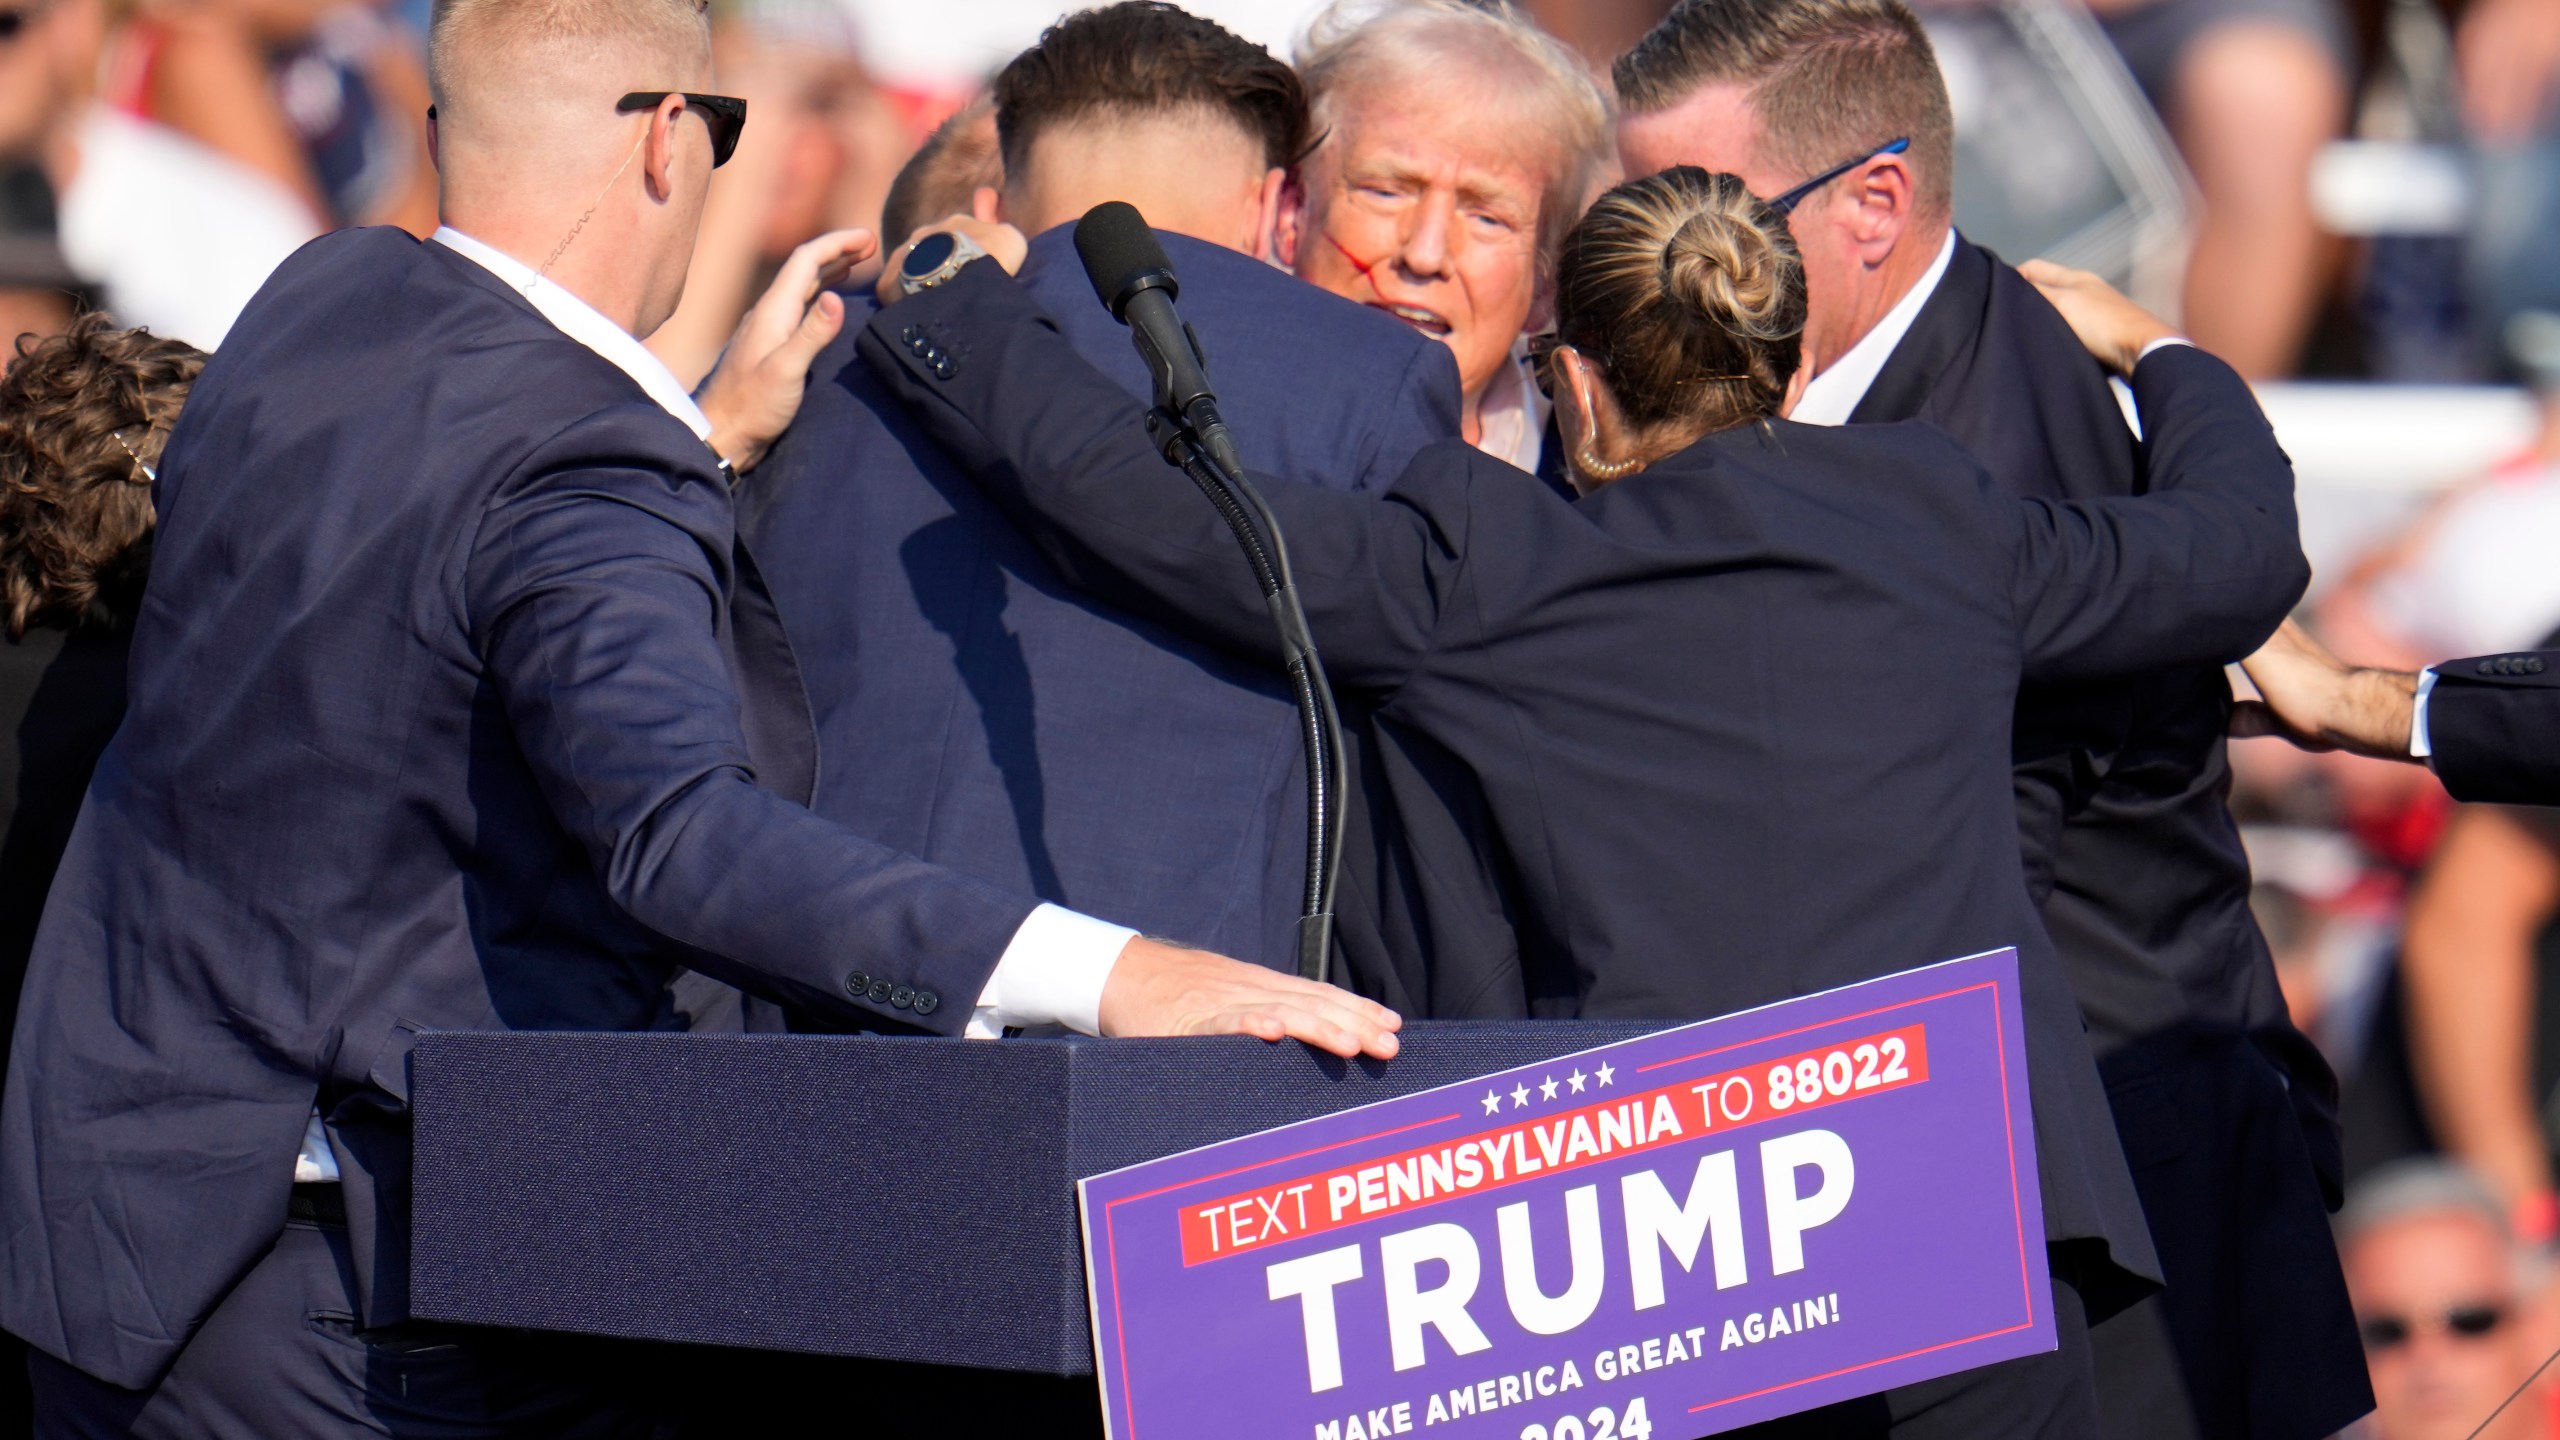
(659, 160)
(435, 142)
(1262, 217)
(987, 203)
(1289, 222)
(1883, 196)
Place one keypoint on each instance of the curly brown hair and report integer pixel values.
(83, 417)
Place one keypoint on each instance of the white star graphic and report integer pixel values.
(1519, 1097)
(1606, 1072)
(1575, 1080)
(1492, 1102)
(1548, 1089)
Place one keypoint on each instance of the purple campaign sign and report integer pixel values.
(1670, 1237)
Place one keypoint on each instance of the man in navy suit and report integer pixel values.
(455, 703)
(2489, 726)
(1835, 111)
(1045, 740)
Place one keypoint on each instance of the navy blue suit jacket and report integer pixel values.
(441, 717)
(2494, 725)
(976, 710)
(1738, 720)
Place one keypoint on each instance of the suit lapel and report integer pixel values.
(1942, 331)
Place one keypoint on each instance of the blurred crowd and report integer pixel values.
(2362, 190)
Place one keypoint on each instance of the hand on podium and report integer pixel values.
(1162, 989)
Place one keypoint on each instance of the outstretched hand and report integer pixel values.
(1161, 989)
(755, 390)
(2319, 702)
(2115, 329)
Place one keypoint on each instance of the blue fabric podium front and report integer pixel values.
(889, 1198)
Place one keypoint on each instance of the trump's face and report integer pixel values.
(1428, 212)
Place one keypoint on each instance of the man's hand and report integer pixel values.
(1160, 989)
(998, 239)
(2115, 329)
(2320, 702)
(751, 395)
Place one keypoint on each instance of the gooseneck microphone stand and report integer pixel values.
(1135, 282)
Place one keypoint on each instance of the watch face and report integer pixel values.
(931, 254)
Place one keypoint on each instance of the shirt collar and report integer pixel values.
(1832, 396)
(585, 324)
(1511, 416)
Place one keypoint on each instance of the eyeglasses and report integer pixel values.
(2463, 1322)
(1786, 204)
(725, 114)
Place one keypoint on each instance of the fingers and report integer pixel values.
(816, 330)
(822, 262)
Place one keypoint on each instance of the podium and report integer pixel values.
(889, 1198)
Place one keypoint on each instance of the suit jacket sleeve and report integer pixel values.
(2496, 737)
(1422, 411)
(1065, 452)
(595, 592)
(2200, 570)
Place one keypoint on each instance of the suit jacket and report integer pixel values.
(2493, 722)
(1809, 793)
(2128, 843)
(2133, 856)
(440, 718)
(976, 710)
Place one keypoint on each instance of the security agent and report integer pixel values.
(455, 704)
(2489, 726)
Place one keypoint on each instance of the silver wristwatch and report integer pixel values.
(936, 258)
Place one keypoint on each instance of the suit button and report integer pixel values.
(2488, 667)
(856, 983)
(2533, 665)
(927, 1002)
(879, 992)
(911, 334)
(903, 996)
(943, 368)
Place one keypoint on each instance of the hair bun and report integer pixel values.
(1724, 269)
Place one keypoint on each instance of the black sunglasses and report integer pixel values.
(15, 20)
(725, 114)
(1786, 204)
(2466, 1322)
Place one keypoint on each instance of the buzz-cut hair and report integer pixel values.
(1827, 79)
(518, 28)
(1355, 44)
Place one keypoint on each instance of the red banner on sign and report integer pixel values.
(1604, 1129)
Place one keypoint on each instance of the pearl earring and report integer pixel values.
(1602, 470)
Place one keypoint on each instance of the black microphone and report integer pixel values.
(1135, 282)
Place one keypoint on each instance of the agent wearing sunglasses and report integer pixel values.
(1836, 111)
(459, 692)
(2449, 1324)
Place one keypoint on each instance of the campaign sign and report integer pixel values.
(1670, 1237)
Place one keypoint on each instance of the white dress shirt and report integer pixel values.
(1511, 416)
(1052, 971)
(1832, 396)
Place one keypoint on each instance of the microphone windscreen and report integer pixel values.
(1119, 250)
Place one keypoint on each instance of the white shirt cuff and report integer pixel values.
(2420, 747)
(1052, 974)
(2163, 343)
